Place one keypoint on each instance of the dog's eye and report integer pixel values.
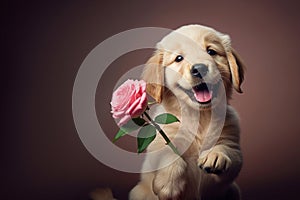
(211, 52)
(179, 58)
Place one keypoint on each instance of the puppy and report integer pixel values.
(191, 75)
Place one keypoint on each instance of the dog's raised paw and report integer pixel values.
(215, 162)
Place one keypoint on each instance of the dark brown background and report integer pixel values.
(45, 43)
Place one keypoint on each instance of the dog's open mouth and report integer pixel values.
(203, 93)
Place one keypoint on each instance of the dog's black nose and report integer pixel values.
(199, 70)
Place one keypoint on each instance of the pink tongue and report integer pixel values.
(203, 96)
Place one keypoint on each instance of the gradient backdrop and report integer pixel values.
(45, 43)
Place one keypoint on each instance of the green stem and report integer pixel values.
(168, 141)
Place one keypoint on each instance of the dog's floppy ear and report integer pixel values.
(237, 68)
(236, 64)
(153, 74)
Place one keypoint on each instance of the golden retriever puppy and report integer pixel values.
(191, 75)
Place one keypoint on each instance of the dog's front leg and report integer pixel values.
(169, 181)
(224, 164)
(225, 158)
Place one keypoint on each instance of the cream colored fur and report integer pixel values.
(183, 178)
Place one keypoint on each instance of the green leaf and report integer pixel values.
(145, 136)
(130, 126)
(133, 124)
(166, 118)
(119, 134)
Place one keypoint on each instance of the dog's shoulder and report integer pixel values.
(231, 127)
(232, 115)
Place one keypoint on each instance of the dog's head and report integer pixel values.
(192, 62)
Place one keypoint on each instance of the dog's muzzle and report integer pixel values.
(203, 91)
(199, 70)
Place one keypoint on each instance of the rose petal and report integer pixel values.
(118, 114)
(124, 120)
(120, 98)
(132, 107)
(139, 107)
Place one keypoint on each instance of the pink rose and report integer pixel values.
(129, 101)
